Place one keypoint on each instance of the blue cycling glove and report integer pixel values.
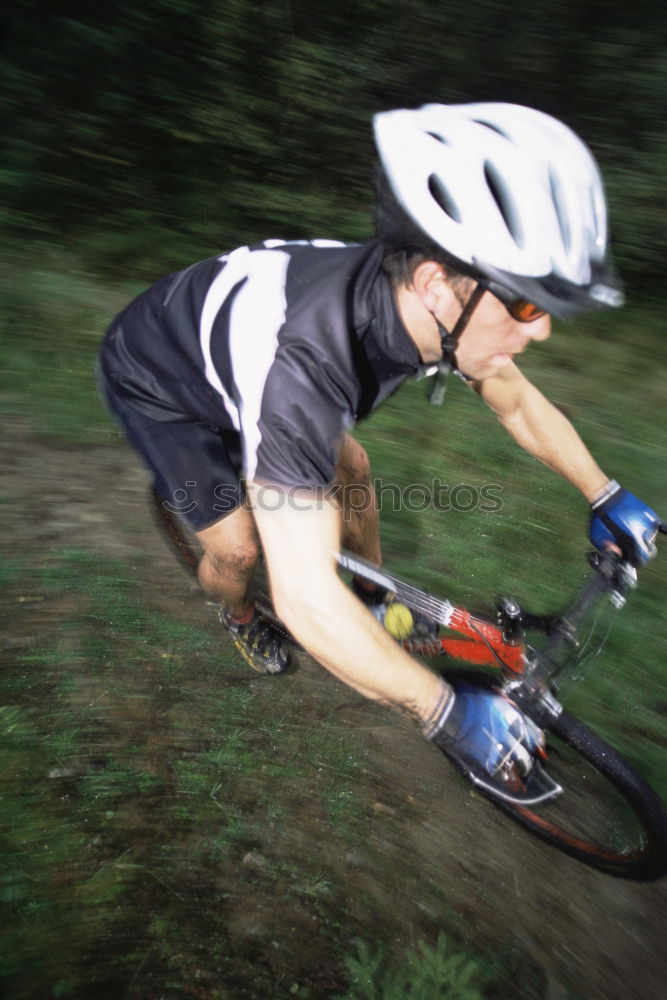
(485, 731)
(619, 518)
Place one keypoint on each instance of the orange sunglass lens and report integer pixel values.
(526, 312)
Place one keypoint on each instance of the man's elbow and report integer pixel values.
(304, 605)
(512, 420)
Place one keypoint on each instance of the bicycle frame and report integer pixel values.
(528, 673)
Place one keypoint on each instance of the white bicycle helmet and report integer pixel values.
(512, 194)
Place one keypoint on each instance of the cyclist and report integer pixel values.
(239, 379)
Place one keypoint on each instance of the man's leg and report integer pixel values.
(231, 549)
(360, 520)
(231, 545)
(360, 530)
(193, 461)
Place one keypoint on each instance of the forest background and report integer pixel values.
(166, 130)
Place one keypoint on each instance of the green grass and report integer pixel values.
(429, 973)
(52, 319)
(76, 783)
(144, 776)
(443, 970)
(139, 764)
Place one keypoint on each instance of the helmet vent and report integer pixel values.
(491, 126)
(439, 138)
(443, 198)
(561, 210)
(499, 192)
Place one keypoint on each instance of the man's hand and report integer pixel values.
(485, 731)
(621, 519)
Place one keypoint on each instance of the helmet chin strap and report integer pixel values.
(449, 342)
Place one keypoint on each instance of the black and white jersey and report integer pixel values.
(287, 343)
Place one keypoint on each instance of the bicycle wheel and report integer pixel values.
(174, 533)
(608, 817)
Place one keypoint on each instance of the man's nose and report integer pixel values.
(539, 329)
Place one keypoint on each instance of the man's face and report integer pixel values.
(493, 337)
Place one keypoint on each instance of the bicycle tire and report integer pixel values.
(643, 860)
(174, 534)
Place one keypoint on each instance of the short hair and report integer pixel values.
(407, 245)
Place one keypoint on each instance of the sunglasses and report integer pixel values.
(521, 310)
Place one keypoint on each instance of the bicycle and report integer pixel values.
(582, 796)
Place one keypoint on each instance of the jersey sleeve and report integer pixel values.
(298, 434)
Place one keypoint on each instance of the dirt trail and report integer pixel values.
(601, 938)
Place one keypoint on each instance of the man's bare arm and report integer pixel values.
(541, 429)
(300, 535)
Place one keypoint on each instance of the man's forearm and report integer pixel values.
(299, 541)
(542, 430)
(341, 634)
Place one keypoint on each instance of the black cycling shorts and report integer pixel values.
(196, 467)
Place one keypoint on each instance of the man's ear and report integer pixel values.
(427, 280)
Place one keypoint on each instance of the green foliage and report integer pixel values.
(52, 318)
(178, 128)
(444, 971)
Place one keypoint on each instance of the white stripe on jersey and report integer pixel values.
(258, 313)
(256, 316)
(236, 267)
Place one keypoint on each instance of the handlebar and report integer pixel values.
(612, 575)
(535, 693)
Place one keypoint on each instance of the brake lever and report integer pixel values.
(618, 574)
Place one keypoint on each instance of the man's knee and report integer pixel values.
(231, 546)
(234, 560)
(353, 463)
